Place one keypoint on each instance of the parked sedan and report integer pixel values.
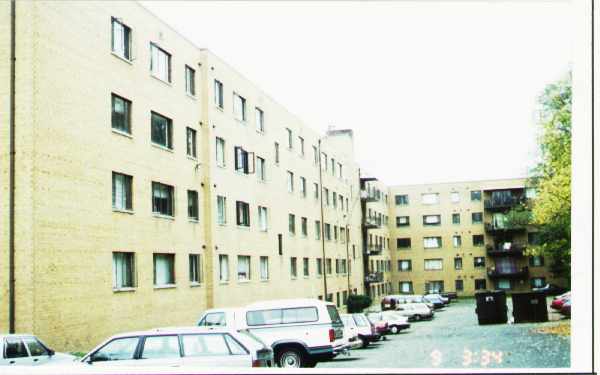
(557, 302)
(395, 322)
(415, 311)
(350, 331)
(436, 300)
(566, 308)
(185, 346)
(28, 350)
(366, 330)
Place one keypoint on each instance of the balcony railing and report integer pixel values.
(508, 273)
(368, 196)
(496, 227)
(503, 202)
(374, 277)
(502, 249)
(374, 249)
(371, 222)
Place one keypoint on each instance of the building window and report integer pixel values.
(530, 193)
(458, 285)
(276, 153)
(220, 147)
(239, 107)
(190, 81)
(476, 218)
(264, 268)
(243, 213)
(195, 268)
(432, 242)
(317, 230)
(262, 219)
(160, 63)
(430, 198)
(218, 94)
(193, 204)
(328, 266)
(123, 270)
(303, 187)
(503, 284)
(538, 282)
(405, 287)
(536, 261)
(402, 221)
(162, 199)
(335, 232)
(478, 240)
(319, 266)
(433, 264)
(304, 226)
(326, 192)
(223, 268)
(455, 218)
(290, 182)
(121, 39)
(324, 161)
(403, 243)
(476, 196)
(456, 241)
(533, 238)
(305, 270)
(293, 267)
(316, 186)
(221, 210)
(434, 286)
(404, 265)
(242, 160)
(454, 197)
(292, 224)
(290, 138)
(458, 264)
(261, 169)
(480, 284)
(432, 220)
(122, 198)
(401, 200)
(340, 174)
(259, 117)
(332, 166)
(162, 131)
(243, 268)
(164, 269)
(301, 140)
(334, 199)
(328, 232)
(121, 114)
(315, 155)
(479, 262)
(191, 142)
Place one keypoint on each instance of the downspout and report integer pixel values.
(324, 263)
(11, 174)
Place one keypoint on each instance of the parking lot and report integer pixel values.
(453, 339)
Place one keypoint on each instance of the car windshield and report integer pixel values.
(360, 320)
(252, 337)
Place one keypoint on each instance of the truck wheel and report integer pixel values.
(291, 357)
(363, 343)
(417, 317)
(394, 329)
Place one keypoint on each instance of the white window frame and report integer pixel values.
(239, 107)
(433, 264)
(264, 268)
(223, 268)
(259, 118)
(160, 63)
(221, 210)
(263, 219)
(244, 267)
(430, 198)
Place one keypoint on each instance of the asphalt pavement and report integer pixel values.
(453, 339)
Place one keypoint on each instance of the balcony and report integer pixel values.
(504, 227)
(371, 223)
(503, 250)
(502, 203)
(374, 277)
(368, 197)
(374, 249)
(508, 273)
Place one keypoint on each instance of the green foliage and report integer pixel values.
(358, 302)
(551, 210)
(518, 216)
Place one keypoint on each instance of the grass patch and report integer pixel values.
(78, 354)
(560, 329)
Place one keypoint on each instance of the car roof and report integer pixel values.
(9, 335)
(289, 302)
(175, 331)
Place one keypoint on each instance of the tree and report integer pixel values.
(358, 302)
(551, 210)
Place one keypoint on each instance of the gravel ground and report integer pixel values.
(453, 339)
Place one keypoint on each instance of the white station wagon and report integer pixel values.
(28, 350)
(301, 332)
(185, 346)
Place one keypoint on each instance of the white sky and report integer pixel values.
(434, 91)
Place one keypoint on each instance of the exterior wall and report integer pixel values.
(67, 229)
(416, 231)
(233, 240)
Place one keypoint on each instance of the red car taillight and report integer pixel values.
(260, 363)
(331, 335)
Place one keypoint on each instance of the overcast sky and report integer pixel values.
(434, 91)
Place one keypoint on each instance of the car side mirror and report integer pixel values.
(51, 352)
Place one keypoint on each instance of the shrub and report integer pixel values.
(356, 303)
